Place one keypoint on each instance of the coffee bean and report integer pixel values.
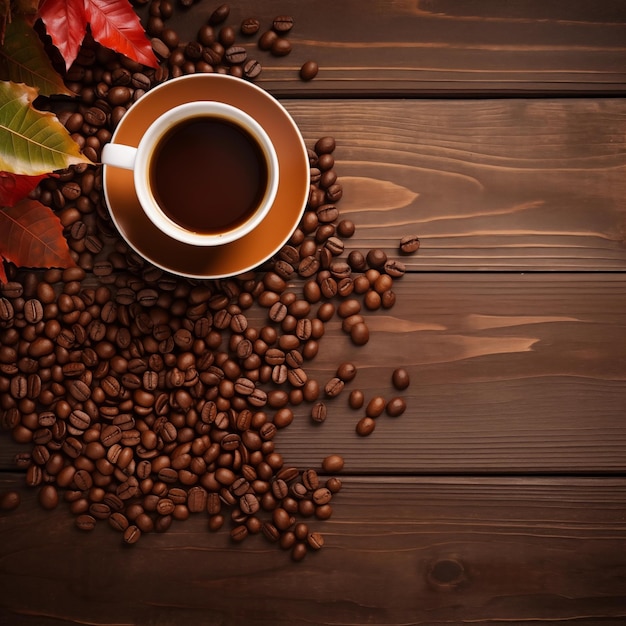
(400, 378)
(309, 70)
(6, 311)
(376, 258)
(219, 15)
(239, 533)
(327, 213)
(96, 117)
(325, 145)
(282, 23)
(235, 55)
(48, 497)
(281, 519)
(409, 244)
(396, 407)
(334, 387)
(334, 245)
(372, 300)
(132, 534)
(360, 334)
(308, 266)
(334, 193)
(85, 522)
(348, 308)
(267, 39)
(322, 495)
(375, 406)
(226, 36)
(356, 399)
(197, 499)
(281, 47)
(11, 289)
(396, 269)
(365, 426)
(252, 69)
(250, 26)
(119, 95)
(349, 322)
(118, 521)
(319, 412)
(346, 372)
(346, 228)
(333, 463)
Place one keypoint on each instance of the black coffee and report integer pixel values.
(208, 175)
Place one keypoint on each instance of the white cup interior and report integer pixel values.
(153, 136)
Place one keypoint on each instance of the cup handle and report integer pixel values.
(119, 155)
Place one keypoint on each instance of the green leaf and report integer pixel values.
(24, 60)
(32, 142)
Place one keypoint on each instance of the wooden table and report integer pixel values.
(496, 131)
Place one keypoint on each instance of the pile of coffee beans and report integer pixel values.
(216, 48)
(142, 397)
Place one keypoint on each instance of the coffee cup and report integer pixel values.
(205, 173)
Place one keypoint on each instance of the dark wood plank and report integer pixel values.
(523, 373)
(439, 47)
(510, 373)
(397, 551)
(494, 184)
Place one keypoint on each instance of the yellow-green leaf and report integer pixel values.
(24, 60)
(32, 142)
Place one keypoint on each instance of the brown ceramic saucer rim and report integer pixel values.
(229, 259)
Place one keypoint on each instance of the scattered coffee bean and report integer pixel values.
(309, 70)
(365, 426)
(267, 40)
(219, 15)
(409, 244)
(356, 399)
(319, 412)
(375, 406)
(346, 372)
(396, 407)
(280, 47)
(252, 69)
(282, 24)
(333, 463)
(48, 497)
(360, 334)
(85, 522)
(334, 387)
(396, 269)
(400, 378)
(250, 26)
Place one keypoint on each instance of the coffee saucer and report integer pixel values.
(231, 258)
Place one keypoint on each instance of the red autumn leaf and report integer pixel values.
(66, 23)
(14, 187)
(31, 235)
(113, 23)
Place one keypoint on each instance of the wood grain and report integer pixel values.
(439, 47)
(487, 185)
(397, 551)
(510, 373)
(499, 496)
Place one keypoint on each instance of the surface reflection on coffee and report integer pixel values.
(208, 175)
